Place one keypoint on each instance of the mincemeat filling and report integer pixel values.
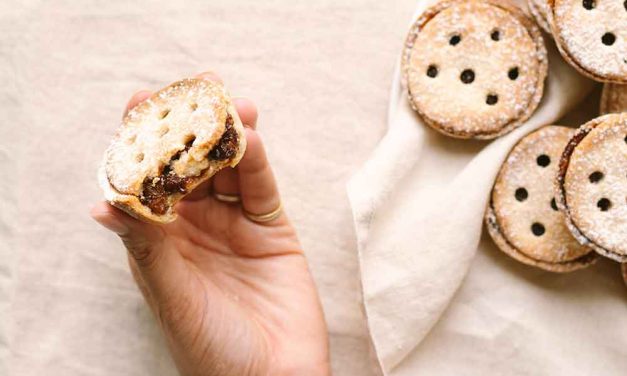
(156, 190)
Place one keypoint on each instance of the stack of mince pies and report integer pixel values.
(475, 69)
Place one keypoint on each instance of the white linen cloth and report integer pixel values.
(418, 206)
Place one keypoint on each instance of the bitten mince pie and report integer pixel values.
(522, 216)
(169, 144)
(592, 36)
(592, 185)
(474, 68)
(614, 98)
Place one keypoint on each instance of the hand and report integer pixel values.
(232, 296)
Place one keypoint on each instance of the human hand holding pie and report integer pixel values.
(229, 286)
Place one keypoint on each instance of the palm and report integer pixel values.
(249, 291)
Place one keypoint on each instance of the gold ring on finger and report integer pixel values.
(230, 199)
(265, 217)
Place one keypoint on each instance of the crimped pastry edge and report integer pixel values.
(542, 21)
(505, 246)
(559, 42)
(560, 195)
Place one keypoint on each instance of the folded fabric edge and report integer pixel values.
(376, 171)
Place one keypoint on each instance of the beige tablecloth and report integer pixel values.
(320, 72)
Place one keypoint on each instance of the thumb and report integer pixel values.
(161, 267)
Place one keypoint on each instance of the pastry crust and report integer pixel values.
(594, 205)
(540, 11)
(474, 68)
(579, 34)
(504, 245)
(613, 98)
(521, 216)
(176, 129)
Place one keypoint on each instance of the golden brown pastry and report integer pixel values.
(474, 68)
(592, 185)
(522, 216)
(540, 11)
(614, 98)
(169, 144)
(592, 36)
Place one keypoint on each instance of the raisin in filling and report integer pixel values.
(227, 146)
(156, 190)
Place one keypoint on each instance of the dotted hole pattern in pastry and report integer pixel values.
(543, 160)
(190, 138)
(164, 130)
(521, 194)
(595, 177)
(513, 74)
(538, 229)
(164, 114)
(609, 38)
(554, 204)
(432, 71)
(468, 75)
(604, 204)
(589, 4)
(495, 35)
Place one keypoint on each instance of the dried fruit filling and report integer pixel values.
(156, 190)
(227, 146)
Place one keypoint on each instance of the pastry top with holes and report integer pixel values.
(594, 185)
(523, 198)
(474, 69)
(614, 98)
(188, 111)
(592, 35)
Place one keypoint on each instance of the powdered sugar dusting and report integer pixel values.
(614, 98)
(602, 224)
(540, 11)
(464, 109)
(580, 32)
(188, 110)
(516, 214)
